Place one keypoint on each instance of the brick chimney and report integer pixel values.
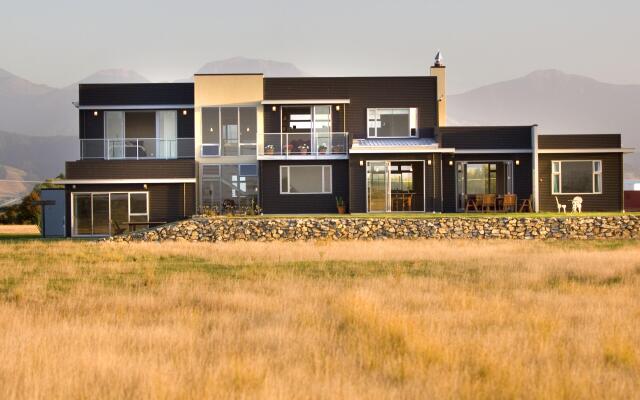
(439, 71)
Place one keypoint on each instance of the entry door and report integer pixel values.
(377, 186)
(54, 219)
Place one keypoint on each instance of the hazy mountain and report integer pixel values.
(40, 110)
(558, 103)
(242, 65)
(32, 158)
(41, 157)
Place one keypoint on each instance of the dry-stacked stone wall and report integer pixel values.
(262, 229)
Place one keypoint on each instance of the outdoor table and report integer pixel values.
(134, 225)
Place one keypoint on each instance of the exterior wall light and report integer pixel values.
(451, 163)
(338, 107)
(274, 108)
(517, 162)
(362, 163)
(95, 113)
(428, 162)
(184, 112)
(145, 186)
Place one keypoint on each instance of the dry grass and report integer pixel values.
(423, 319)
(19, 230)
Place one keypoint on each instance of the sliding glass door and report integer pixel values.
(477, 178)
(101, 214)
(395, 186)
(377, 186)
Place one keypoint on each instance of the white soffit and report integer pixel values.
(306, 101)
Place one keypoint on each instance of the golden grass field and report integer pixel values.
(351, 320)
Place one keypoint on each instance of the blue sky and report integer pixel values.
(60, 42)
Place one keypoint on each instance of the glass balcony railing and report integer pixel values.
(305, 144)
(136, 149)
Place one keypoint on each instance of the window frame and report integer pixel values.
(595, 174)
(219, 145)
(288, 175)
(413, 122)
(91, 194)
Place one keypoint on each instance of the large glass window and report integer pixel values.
(234, 184)
(392, 122)
(229, 131)
(481, 178)
(576, 177)
(102, 214)
(305, 179)
(141, 134)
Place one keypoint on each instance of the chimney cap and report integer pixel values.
(438, 61)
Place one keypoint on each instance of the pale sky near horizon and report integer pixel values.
(60, 42)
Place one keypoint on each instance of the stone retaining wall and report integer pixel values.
(289, 229)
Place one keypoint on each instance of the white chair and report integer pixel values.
(562, 207)
(576, 204)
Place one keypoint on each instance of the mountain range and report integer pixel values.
(39, 128)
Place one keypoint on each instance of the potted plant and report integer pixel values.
(337, 148)
(342, 209)
(322, 149)
(269, 149)
(303, 149)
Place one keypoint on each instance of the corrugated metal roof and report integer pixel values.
(377, 142)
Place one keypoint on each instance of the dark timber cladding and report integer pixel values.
(275, 203)
(486, 137)
(368, 92)
(579, 141)
(127, 169)
(167, 202)
(612, 197)
(132, 94)
(430, 180)
(522, 175)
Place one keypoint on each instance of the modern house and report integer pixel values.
(154, 153)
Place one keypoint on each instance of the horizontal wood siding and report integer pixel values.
(611, 199)
(494, 137)
(579, 141)
(273, 202)
(358, 179)
(91, 127)
(108, 94)
(369, 92)
(167, 202)
(129, 169)
(522, 175)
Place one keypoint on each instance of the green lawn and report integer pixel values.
(441, 215)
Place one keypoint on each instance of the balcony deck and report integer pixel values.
(305, 146)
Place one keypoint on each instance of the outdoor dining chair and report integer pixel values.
(510, 202)
(488, 201)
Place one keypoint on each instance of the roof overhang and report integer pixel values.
(135, 107)
(588, 150)
(121, 181)
(306, 101)
(398, 149)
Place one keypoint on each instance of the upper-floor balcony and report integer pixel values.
(305, 145)
(137, 149)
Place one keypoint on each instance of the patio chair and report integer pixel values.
(525, 204)
(510, 202)
(477, 198)
(115, 227)
(562, 207)
(488, 201)
(576, 204)
(469, 202)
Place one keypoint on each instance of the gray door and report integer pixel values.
(54, 216)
